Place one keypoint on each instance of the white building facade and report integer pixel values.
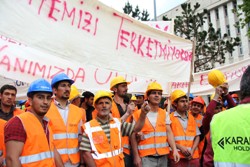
(221, 16)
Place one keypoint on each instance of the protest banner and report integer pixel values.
(86, 39)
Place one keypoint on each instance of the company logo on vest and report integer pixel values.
(238, 143)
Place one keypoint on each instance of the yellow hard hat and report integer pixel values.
(177, 94)
(133, 98)
(117, 80)
(74, 93)
(101, 94)
(154, 86)
(212, 97)
(216, 78)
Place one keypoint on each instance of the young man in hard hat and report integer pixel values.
(156, 136)
(101, 141)
(75, 99)
(7, 101)
(140, 100)
(196, 109)
(87, 104)
(28, 136)
(230, 130)
(66, 121)
(185, 130)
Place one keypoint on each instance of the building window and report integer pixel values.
(225, 10)
(209, 17)
(235, 4)
(238, 30)
(217, 14)
(241, 49)
(228, 30)
(219, 30)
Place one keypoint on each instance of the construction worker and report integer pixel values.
(236, 98)
(217, 80)
(75, 99)
(7, 100)
(133, 99)
(121, 109)
(140, 99)
(28, 136)
(152, 149)
(87, 104)
(185, 130)
(101, 141)
(230, 130)
(196, 109)
(66, 121)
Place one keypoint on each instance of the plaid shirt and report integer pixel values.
(14, 130)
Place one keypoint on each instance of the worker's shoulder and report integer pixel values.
(234, 112)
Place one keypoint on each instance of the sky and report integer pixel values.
(161, 5)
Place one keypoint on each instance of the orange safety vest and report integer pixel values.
(105, 153)
(36, 150)
(116, 114)
(155, 138)
(198, 120)
(125, 139)
(66, 136)
(184, 138)
(17, 111)
(2, 123)
(83, 115)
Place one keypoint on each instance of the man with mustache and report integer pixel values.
(28, 136)
(66, 121)
(7, 100)
(186, 131)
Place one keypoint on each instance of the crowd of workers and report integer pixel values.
(58, 126)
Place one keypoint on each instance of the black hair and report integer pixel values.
(4, 87)
(245, 84)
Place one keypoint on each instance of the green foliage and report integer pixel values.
(211, 47)
(136, 13)
(243, 21)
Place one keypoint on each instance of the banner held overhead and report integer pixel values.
(88, 35)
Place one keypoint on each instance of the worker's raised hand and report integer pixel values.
(131, 108)
(224, 88)
(145, 108)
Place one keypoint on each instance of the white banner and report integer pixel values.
(81, 38)
(165, 26)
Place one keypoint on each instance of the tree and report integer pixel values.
(243, 20)
(136, 13)
(211, 46)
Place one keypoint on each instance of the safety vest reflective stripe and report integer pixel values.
(89, 130)
(36, 157)
(126, 146)
(149, 146)
(156, 134)
(1, 152)
(198, 121)
(180, 138)
(228, 164)
(106, 155)
(65, 136)
(68, 151)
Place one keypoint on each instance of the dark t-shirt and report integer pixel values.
(89, 113)
(7, 116)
